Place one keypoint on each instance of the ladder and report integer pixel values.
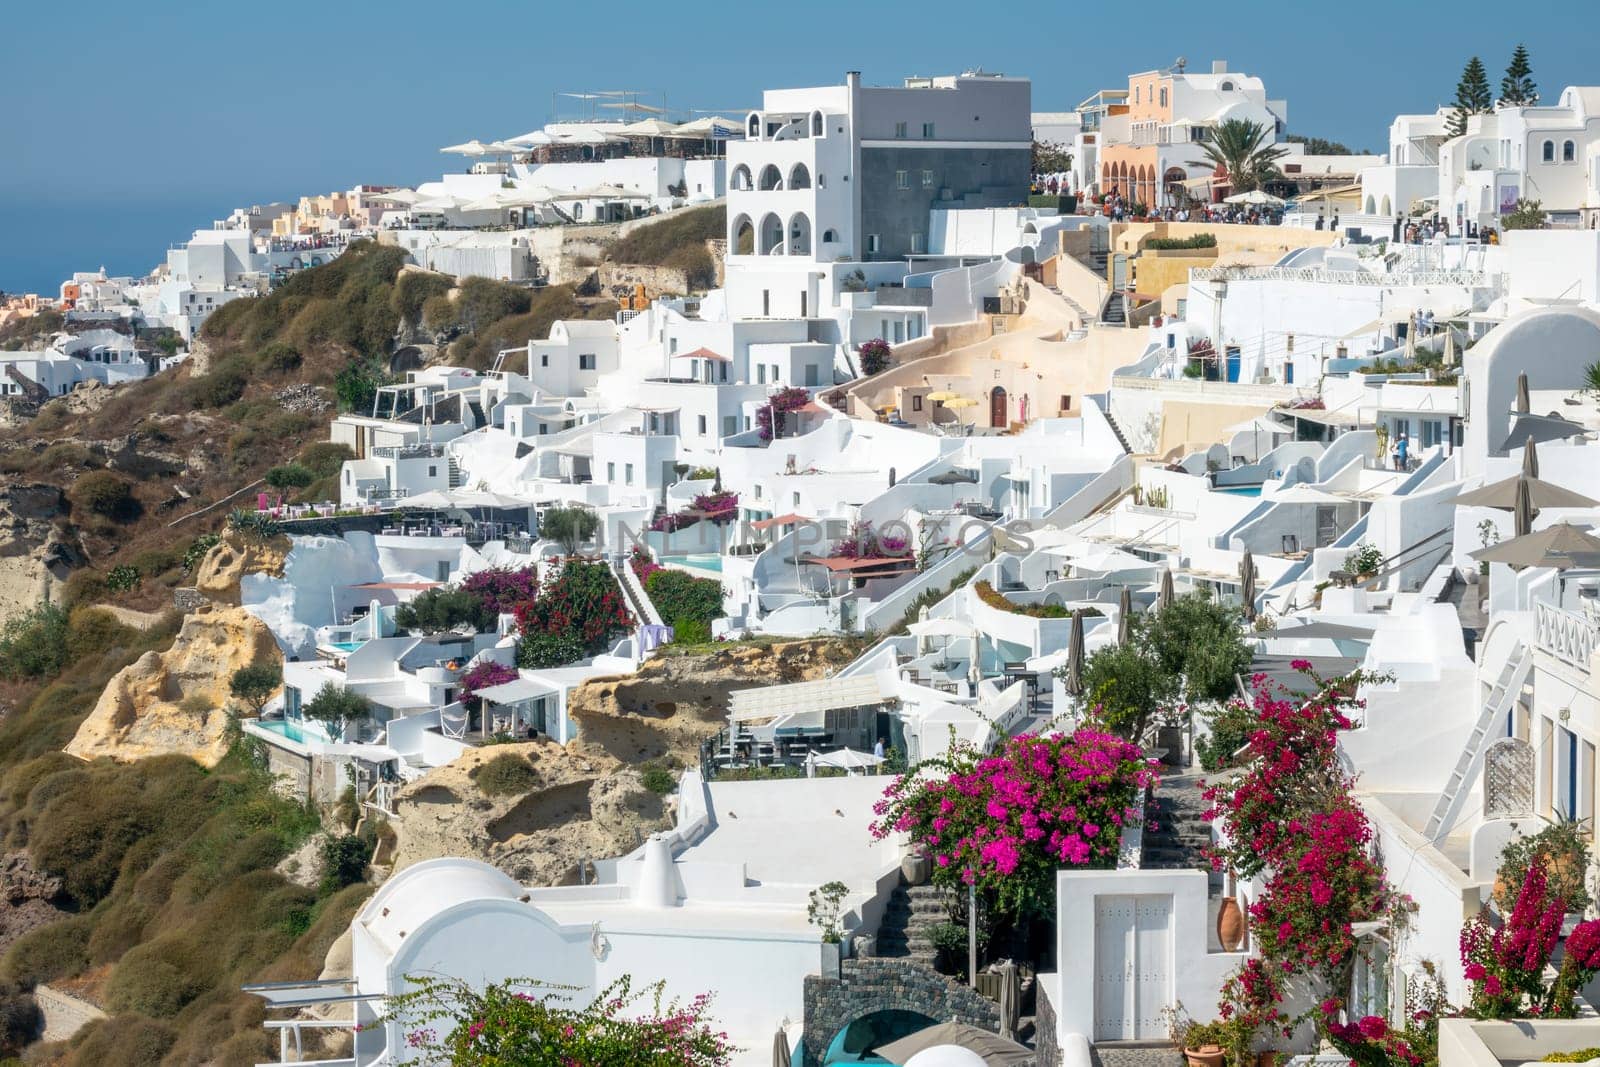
(1506, 688)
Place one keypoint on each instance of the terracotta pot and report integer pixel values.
(1230, 925)
(1205, 1056)
(1267, 1058)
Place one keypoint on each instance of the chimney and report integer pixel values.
(1219, 66)
(852, 78)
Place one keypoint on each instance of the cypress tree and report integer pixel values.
(1472, 96)
(1517, 87)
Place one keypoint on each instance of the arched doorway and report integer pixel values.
(741, 236)
(997, 407)
(771, 236)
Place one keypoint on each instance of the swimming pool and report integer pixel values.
(283, 728)
(1242, 490)
(346, 646)
(697, 561)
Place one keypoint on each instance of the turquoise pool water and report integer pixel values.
(700, 561)
(347, 646)
(291, 730)
(1242, 490)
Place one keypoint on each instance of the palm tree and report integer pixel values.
(1243, 149)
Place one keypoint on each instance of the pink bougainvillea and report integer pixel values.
(770, 416)
(1505, 966)
(485, 675)
(1008, 821)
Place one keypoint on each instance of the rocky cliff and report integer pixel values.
(173, 702)
(232, 558)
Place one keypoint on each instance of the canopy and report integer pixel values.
(955, 477)
(942, 396)
(824, 694)
(514, 692)
(995, 1050)
(1254, 196)
(710, 126)
(1304, 494)
(650, 127)
(462, 498)
(398, 196)
(704, 353)
(779, 520)
(473, 147)
(961, 402)
(1502, 495)
(943, 628)
(532, 137)
(603, 192)
(1562, 546)
(847, 758)
(586, 137)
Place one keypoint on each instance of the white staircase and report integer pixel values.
(457, 479)
(1512, 678)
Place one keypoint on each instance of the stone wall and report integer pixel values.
(63, 1013)
(618, 279)
(866, 986)
(1047, 1053)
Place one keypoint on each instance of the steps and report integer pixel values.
(908, 921)
(1134, 1054)
(1181, 834)
(1506, 689)
(457, 479)
(1115, 312)
(1116, 429)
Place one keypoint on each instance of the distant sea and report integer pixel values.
(43, 242)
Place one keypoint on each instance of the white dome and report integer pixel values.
(946, 1056)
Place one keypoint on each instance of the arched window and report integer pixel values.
(1549, 154)
(1372, 207)
(799, 234)
(1387, 206)
(742, 236)
(752, 125)
(799, 177)
(816, 124)
(830, 237)
(742, 182)
(771, 178)
(577, 210)
(1569, 152)
(822, 180)
(771, 236)
(1226, 87)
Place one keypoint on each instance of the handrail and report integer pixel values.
(1338, 277)
(1568, 636)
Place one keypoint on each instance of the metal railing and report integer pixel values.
(1339, 277)
(1567, 635)
(420, 451)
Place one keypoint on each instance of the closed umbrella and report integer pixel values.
(1530, 459)
(1449, 347)
(1010, 1000)
(780, 1049)
(1124, 617)
(1524, 403)
(1072, 680)
(1523, 512)
(1165, 597)
(1247, 585)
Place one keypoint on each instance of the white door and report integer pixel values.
(1133, 949)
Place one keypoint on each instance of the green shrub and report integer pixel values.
(508, 774)
(413, 288)
(33, 643)
(124, 1041)
(658, 780)
(336, 708)
(197, 550)
(682, 599)
(123, 578)
(158, 978)
(105, 494)
(652, 243)
(254, 525)
(690, 631)
(325, 459)
(220, 386)
(1576, 1056)
(94, 631)
(278, 358)
(20, 1023)
(444, 609)
(1231, 727)
(1199, 240)
(57, 950)
(61, 456)
(541, 651)
(356, 386)
(290, 476)
(344, 862)
(1365, 558)
(254, 684)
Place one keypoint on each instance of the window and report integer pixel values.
(433, 471)
(766, 303)
(816, 124)
(927, 131)
(1066, 401)
(761, 374)
(872, 242)
(1569, 152)
(917, 242)
(916, 403)
(1135, 94)
(586, 361)
(544, 360)
(611, 472)
(730, 425)
(702, 425)
(672, 345)
(1163, 96)
(927, 179)
(822, 181)
(811, 375)
(902, 179)
(830, 237)
(627, 473)
(1288, 342)
(1549, 153)
(899, 129)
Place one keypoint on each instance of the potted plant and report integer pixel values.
(823, 912)
(1200, 1043)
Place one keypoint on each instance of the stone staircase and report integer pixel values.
(1134, 1054)
(1115, 313)
(1181, 832)
(908, 921)
(1116, 429)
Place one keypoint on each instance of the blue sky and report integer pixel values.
(165, 114)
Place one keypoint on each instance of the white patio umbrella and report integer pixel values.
(473, 147)
(650, 127)
(1255, 197)
(531, 138)
(710, 126)
(848, 759)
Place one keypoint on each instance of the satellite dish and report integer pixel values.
(1180, 64)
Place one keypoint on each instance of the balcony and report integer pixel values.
(418, 451)
(1569, 636)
